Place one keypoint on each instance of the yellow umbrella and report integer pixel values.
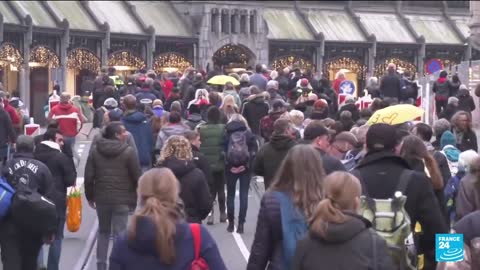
(396, 114)
(222, 80)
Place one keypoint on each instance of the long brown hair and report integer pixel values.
(158, 193)
(414, 148)
(301, 174)
(340, 190)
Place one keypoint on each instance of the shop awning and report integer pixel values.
(285, 24)
(40, 16)
(162, 17)
(8, 15)
(462, 23)
(74, 13)
(434, 28)
(115, 13)
(386, 27)
(336, 25)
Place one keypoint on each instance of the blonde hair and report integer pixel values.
(240, 118)
(158, 191)
(340, 191)
(229, 107)
(176, 146)
(297, 117)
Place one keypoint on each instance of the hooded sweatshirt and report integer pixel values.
(69, 118)
(348, 245)
(142, 253)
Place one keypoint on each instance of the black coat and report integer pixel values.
(391, 86)
(254, 110)
(346, 246)
(351, 108)
(465, 101)
(380, 173)
(270, 156)
(193, 188)
(469, 142)
(63, 172)
(331, 164)
(449, 111)
(7, 133)
(201, 162)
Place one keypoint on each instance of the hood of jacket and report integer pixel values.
(46, 149)
(134, 117)
(175, 129)
(235, 126)
(463, 93)
(179, 167)
(110, 148)
(281, 142)
(343, 232)
(258, 98)
(65, 106)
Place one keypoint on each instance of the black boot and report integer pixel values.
(223, 217)
(231, 226)
(240, 228)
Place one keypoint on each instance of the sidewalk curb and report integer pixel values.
(87, 250)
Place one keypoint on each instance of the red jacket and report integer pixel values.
(167, 87)
(69, 119)
(11, 112)
(336, 85)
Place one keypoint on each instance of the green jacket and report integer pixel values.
(212, 137)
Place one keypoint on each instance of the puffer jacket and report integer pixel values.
(468, 197)
(212, 136)
(169, 130)
(194, 190)
(255, 109)
(112, 173)
(141, 129)
(348, 245)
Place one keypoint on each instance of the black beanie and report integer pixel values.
(381, 137)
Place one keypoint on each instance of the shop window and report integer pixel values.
(253, 22)
(233, 24)
(225, 22)
(243, 24)
(214, 22)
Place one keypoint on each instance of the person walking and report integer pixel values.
(7, 133)
(111, 176)
(64, 175)
(464, 134)
(339, 237)
(441, 88)
(240, 147)
(177, 156)
(254, 109)
(270, 156)
(20, 246)
(212, 136)
(173, 127)
(158, 237)
(468, 197)
(299, 180)
(390, 84)
(199, 159)
(258, 79)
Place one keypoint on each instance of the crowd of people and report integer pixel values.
(169, 150)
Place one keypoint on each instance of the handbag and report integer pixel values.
(74, 210)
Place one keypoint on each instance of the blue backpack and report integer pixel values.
(450, 191)
(294, 226)
(6, 195)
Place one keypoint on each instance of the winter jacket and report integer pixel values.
(270, 157)
(351, 108)
(129, 141)
(139, 126)
(212, 136)
(235, 126)
(454, 88)
(348, 245)
(330, 164)
(267, 246)
(62, 169)
(112, 173)
(194, 190)
(235, 95)
(253, 110)
(69, 118)
(11, 112)
(259, 80)
(469, 141)
(379, 173)
(193, 120)
(145, 94)
(468, 197)
(7, 133)
(169, 130)
(201, 162)
(86, 109)
(465, 101)
(266, 124)
(391, 86)
(441, 88)
(142, 253)
(449, 111)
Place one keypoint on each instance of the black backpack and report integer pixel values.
(30, 210)
(237, 152)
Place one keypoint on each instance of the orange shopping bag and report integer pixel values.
(74, 210)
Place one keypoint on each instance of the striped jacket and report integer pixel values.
(69, 118)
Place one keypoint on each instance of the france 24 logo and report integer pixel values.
(449, 247)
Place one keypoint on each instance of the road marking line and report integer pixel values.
(80, 150)
(81, 145)
(241, 245)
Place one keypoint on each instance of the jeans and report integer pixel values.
(70, 147)
(55, 249)
(19, 248)
(218, 189)
(231, 189)
(109, 217)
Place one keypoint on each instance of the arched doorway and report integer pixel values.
(125, 62)
(353, 69)
(292, 61)
(231, 57)
(171, 62)
(10, 63)
(42, 61)
(83, 66)
(401, 64)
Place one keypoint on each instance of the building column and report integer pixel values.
(237, 21)
(105, 44)
(320, 54)
(65, 43)
(247, 21)
(421, 57)
(468, 49)
(372, 54)
(151, 48)
(25, 69)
